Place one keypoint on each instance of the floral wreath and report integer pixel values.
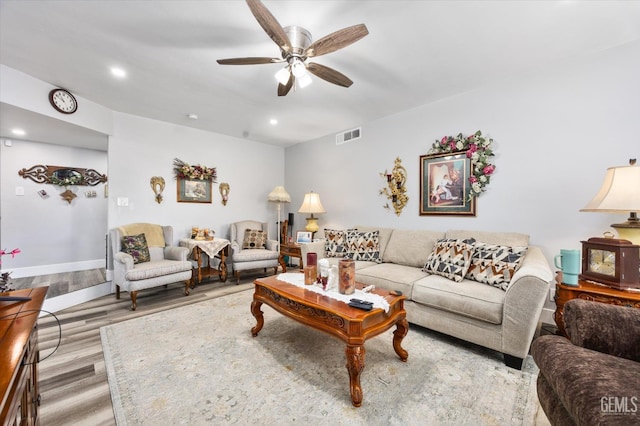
(185, 171)
(74, 180)
(478, 149)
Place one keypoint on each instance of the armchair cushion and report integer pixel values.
(136, 246)
(254, 239)
(598, 327)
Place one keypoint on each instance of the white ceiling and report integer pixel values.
(417, 52)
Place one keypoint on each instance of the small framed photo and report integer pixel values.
(194, 191)
(303, 237)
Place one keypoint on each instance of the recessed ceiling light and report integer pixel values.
(118, 72)
(18, 132)
(273, 121)
(192, 116)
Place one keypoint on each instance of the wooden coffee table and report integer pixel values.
(337, 318)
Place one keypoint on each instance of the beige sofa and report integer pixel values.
(505, 321)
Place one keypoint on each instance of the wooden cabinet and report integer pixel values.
(19, 358)
(589, 290)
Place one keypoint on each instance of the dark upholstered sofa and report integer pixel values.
(592, 378)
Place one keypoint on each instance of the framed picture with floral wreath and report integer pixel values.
(445, 186)
(194, 182)
(194, 190)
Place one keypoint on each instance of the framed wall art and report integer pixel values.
(445, 186)
(194, 190)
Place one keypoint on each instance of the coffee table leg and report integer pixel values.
(257, 313)
(402, 328)
(355, 365)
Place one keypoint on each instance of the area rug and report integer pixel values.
(199, 365)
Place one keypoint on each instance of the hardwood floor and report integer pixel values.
(73, 381)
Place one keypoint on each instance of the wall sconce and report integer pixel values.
(157, 185)
(395, 190)
(224, 192)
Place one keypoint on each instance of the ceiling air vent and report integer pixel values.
(349, 136)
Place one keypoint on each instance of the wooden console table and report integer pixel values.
(589, 290)
(216, 248)
(291, 250)
(19, 357)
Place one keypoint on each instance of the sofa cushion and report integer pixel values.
(384, 234)
(136, 246)
(157, 269)
(495, 264)
(335, 242)
(511, 239)
(450, 258)
(390, 276)
(363, 245)
(254, 239)
(467, 298)
(411, 248)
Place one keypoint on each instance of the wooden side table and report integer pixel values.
(291, 250)
(218, 248)
(589, 290)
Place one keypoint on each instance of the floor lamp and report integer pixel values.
(279, 195)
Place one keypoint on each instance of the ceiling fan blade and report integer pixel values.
(248, 61)
(337, 40)
(283, 89)
(270, 24)
(329, 74)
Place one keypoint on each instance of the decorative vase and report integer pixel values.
(347, 282)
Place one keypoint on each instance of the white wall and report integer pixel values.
(141, 148)
(556, 130)
(53, 235)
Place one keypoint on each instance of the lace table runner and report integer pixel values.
(297, 279)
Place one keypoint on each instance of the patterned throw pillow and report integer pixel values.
(254, 239)
(136, 246)
(494, 264)
(335, 242)
(363, 245)
(450, 258)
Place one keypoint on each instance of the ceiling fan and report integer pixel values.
(296, 48)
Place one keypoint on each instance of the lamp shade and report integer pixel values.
(279, 195)
(311, 204)
(619, 193)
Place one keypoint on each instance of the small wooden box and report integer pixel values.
(613, 262)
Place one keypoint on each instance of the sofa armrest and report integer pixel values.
(610, 329)
(176, 253)
(316, 247)
(524, 301)
(235, 247)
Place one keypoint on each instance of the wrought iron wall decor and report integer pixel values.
(63, 176)
(395, 190)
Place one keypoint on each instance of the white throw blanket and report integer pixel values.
(297, 279)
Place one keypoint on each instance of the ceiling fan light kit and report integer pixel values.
(296, 47)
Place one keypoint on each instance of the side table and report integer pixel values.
(216, 248)
(589, 290)
(291, 250)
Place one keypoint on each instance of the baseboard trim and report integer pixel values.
(547, 316)
(58, 268)
(68, 300)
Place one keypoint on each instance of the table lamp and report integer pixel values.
(279, 195)
(311, 205)
(620, 193)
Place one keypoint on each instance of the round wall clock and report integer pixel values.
(63, 101)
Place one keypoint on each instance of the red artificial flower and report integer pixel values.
(473, 179)
(488, 169)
